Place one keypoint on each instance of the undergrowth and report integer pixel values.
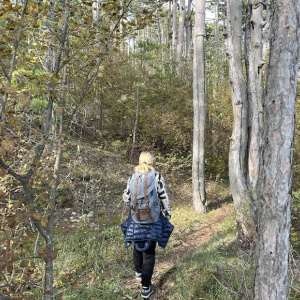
(92, 261)
(218, 270)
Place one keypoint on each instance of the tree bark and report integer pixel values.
(239, 132)
(255, 92)
(169, 30)
(180, 40)
(199, 102)
(137, 111)
(158, 26)
(266, 34)
(274, 189)
(188, 30)
(216, 46)
(174, 27)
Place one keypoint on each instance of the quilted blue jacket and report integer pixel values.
(159, 231)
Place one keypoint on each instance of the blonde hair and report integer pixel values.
(145, 163)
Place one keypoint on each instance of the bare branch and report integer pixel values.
(11, 172)
(3, 68)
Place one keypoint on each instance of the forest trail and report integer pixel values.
(181, 245)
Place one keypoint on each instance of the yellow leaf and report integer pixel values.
(66, 155)
(44, 221)
(9, 205)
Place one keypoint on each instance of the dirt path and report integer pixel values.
(179, 247)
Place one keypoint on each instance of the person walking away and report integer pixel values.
(144, 250)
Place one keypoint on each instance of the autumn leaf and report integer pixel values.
(24, 263)
(8, 145)
(44, 221)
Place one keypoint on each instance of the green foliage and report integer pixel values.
(174, 166)
(295, 218)
(90, 263)
(295, 228)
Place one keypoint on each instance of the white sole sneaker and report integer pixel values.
(147, 292)
(138, 276)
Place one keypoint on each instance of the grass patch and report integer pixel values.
(219, 270)
(90, 263)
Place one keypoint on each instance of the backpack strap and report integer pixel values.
(135, 205)
(146, 199)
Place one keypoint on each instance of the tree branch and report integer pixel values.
(3, 68)
(12, 172)
(64, 37)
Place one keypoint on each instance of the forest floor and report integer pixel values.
(201, 260)
(182, 243)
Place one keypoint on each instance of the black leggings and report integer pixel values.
(144, 262)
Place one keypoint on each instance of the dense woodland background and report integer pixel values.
(85, 87)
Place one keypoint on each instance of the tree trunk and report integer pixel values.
(137, 103)
(199, 102)
(49, 279)
(169, 30)
(122, 30)
(255, 92)
(180, 40)
(158, 26)
(174, 27)
(239, 132)
(57, 57)
(274, 189)
(266, 33)
(188, 30)
(216, 46)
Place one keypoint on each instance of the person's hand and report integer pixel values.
(168, 215)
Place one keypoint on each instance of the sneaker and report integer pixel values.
(138, 276)
(146, 292)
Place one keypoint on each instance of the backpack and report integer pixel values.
(144, 203)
